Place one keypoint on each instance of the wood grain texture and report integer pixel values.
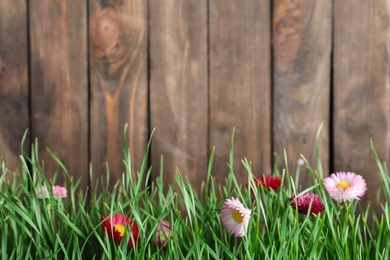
(361, 88)
(301, 72)
(14, 115)
(118, 58)
(178, 88)
(240, 92)
(59, 86)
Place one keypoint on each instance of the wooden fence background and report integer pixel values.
(75, 72)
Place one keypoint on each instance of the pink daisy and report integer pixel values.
(163, 234)
(235, 217)
(58, 192)
(345, 187)
(306, 201)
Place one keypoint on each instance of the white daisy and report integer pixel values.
(235, 217)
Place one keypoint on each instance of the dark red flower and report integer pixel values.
(117, 225)
(269, 182)
(303, 203)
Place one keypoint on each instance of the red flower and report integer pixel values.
(306, 200)
(117, 225)
(269, 182)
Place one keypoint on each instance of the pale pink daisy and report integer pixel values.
(344, 187)
(235, 217)
(58, 192)
(163, 234)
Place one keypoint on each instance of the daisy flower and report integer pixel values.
(235, 217)
(344, 187)
(58, 192)
(305, 201)
(163, 234)
(269, 182)
(118, 225)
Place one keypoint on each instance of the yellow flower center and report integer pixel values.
(237, 216)
(343, 185)
(120, 229)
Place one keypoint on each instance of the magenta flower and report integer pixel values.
(345, 187)
(307, 201)
(163, 234)
(235, 217)
(58, 192)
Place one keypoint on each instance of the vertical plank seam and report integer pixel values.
(148, 89)
(331, 95)
(387, 80)
(271, 82)
(29, 89)
(208, 83)
(89, 98)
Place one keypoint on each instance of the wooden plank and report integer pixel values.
(240, 91)
(178, 88)
(59, 86)
(361, 88)
(118, 58)
(301, 73)
(14, 115)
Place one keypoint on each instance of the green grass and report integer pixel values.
(70, 228)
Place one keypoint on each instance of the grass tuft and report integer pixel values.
(70, 228)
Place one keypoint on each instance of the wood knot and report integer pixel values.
(2, 66)
(105, 29)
